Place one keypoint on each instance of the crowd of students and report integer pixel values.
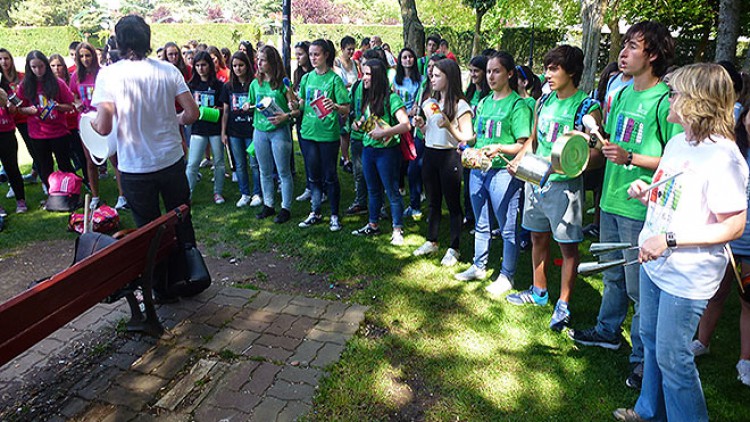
(353, 110)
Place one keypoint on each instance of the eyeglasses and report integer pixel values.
(673, 92)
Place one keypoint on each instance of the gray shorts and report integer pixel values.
(556, 208)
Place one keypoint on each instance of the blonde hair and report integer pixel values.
(705, 100)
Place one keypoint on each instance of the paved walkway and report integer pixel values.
(230, 355)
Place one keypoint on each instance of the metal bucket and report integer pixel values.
(570, 153)
(533, 169)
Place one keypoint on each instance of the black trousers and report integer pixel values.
(9, 160)
(45, 148)
(441, 176)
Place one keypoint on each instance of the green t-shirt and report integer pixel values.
(259, 90)
(632, 124)
(556, 118)
(311, 87)
(396, 103)
(355, 97)
(474, 102)
(502, 122)
(531, 102)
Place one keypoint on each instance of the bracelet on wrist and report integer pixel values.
(629, 161)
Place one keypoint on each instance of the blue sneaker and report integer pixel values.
(560, 318)
(528, 297)
(414, 214)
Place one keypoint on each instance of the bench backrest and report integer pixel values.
(37, 312)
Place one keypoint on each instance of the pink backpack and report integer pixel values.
(64, 192)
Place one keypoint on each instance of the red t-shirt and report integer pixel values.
(451, 56)
(55, 124)
(357, 55)
(223, 75)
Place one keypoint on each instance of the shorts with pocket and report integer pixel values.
(557, 207)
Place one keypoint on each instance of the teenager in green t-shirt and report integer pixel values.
(478, 89)
(323, 97)
(502, 125)
(638, 129)
(381, 156)
(272, 136)
(555, 210)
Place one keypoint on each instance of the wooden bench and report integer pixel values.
(39, 311)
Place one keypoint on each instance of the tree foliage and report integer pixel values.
(48, 12)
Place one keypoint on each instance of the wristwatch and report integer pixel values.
(671, 241)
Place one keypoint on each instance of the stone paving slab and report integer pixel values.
(229, 354)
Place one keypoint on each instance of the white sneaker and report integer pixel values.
(397, 238)
(244, 201)
(698, 349)
(473, 273)
(450, 259)
(499, 286)
(121, 203)
(10, 194)
(256, 201)
(426, 249)
(743, 371)
(205, 163)
(94, 204)
(306, 195)
(335, 224)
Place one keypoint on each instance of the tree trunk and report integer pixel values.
(412, 27)
(477, 32)
(592, 15)
(729, 30)
(700, 51)
(615, 39)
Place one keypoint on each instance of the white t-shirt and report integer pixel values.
(713, 181)
(438, 137)
(144, 93)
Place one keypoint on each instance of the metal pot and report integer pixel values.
(570, 153)
(533, 169)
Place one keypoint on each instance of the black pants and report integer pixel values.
(77, 155)
(23, 129)
(441, 175)
(9, 160)
(44, 148)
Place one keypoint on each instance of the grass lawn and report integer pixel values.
(432, 348)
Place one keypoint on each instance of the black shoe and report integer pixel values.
(367, 230)
(496, 234)
(349, 167)
(283, 216)
(635, 379)
(265, 212)
(590, 337)
(356, 209)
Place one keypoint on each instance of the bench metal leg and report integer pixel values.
(149, 324)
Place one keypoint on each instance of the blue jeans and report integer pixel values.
(382, 167)
(239, 151)
(414, 174)
(671, 387)
(620, 283)
(495, 191)
(321, 162)
(360, 185)
(275, 147)
(195, 155)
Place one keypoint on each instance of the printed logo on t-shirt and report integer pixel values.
(551, 130)
(628, 130)
(86, 92)
(236, 102)
(490, 128)
(205, 98)
(663, 202)
(46, 111)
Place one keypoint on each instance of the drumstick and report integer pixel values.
(659, 183)
(734, 267)
(590, 123)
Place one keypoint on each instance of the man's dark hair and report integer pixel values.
(569, 58)
(434, 38)
(375, 54)
(347, 40)
(133, 37)
(365, 42)
(657, 41)
(444, 42)
(73, 45)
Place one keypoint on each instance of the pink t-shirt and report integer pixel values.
(7, 123)
(83, 90)
(55, 123)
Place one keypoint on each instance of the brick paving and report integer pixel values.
(229, 355)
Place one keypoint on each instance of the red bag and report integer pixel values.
(408, 149)
(103, 220)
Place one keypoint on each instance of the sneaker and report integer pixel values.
(205, 163)
(528, 297)
(335, 224)
(560, 318)
(743, 371)
(496, 234)
(427, 248)
(635, 379)
(244, 201)
(499, 286)
(218, 199)
(283, 216)
(256, 201)
(590, 337)
(450, 259)
(265, 212)
(21, 206)
(367, 230)
(473, 273)
(397, 237)
(311, 220)
(416, 215)
(3, 213)
(592, 230)
(122, 203)
(30, 178)
(698, 349)
(94, 204)
(306, 195)
(356, 209)
(349, 167)
(402, 192)
(10, 194)
(627, 415)
(234, 177)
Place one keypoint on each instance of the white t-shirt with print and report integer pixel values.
(438, 137)
(713, 181)
(144, 93)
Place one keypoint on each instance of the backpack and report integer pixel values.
(582, 110)
(64, 192)
(103, 220)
